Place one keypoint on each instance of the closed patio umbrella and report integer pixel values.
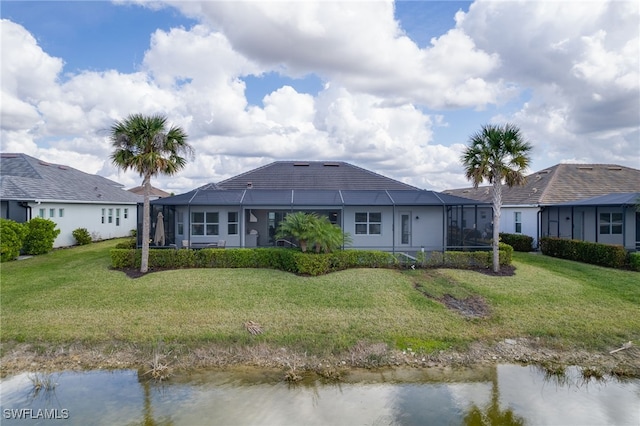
(159, 236)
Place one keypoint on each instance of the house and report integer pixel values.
(154, 194)
(611, 219)
(69, 197)
(524, 206)
(378, 212)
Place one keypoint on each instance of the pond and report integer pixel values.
(502, 394)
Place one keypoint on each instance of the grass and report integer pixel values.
(72, 295)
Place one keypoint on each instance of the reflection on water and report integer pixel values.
(504, 395)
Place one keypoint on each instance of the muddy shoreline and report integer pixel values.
(23, 357)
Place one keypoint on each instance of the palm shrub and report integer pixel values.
(41, 234)
(328, 237)
(311, 230)
(298, 225)
(12, 236)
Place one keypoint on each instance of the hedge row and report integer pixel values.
(295, 261)
(519, 242)
(613, 256)
(465, 259)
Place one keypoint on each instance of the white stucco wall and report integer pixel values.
(87, 216)
(529, 216)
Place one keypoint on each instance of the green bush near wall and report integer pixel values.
(465, 259)
(519, 242)
(613, 256)
(634, 260)
(294, 261)
(12, 235)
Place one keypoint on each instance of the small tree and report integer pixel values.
(145, 145)
(328, 237)
(309, 229)
(497, 154)
(41, 234)
(12, 236)
(298, 225)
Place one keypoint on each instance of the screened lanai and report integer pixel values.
(389, 220)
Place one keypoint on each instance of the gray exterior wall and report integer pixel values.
(583, 223)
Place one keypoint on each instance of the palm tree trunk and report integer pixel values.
(497, 205)
(146, 225)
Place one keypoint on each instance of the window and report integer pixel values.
(103, 215)
(41, 213)
(518, 222)
(368, 223)
(110, 216)
(52, 212)
(180, 223)
(117, 217)
(204, 223)
(60, 212)
(232, 223)
(126, 213)
(610, 223)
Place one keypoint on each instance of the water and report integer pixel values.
(501, 395)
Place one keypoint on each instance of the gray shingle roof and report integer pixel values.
(311, 175)
(25, 178)
(562, 183)
(616, 199)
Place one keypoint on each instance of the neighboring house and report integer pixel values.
(610, 219)
(72, 199)
(378, 212)
(524, 206)
(154, 195)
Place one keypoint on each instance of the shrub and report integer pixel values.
(313, 232)
(505, 252)
(613, 256)
(41, 234)
(82, 236)
(129, 243)
(12, 236)
(288, 260)
(634, 261)
(519, 242)
(464, 259)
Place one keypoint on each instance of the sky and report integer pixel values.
(394, 87)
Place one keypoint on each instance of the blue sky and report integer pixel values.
(397, 88)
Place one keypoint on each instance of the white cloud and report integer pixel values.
(580, 62)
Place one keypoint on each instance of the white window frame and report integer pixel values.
(232, 225)
(210, 223)
(371, 224)
(517, 219)
(610, 225)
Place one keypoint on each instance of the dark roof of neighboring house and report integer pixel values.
(311, 175)
(562, 183)
(616, 199)
(25, 178)
(314, 197)
(155, 192)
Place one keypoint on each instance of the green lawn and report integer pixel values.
(71, 295)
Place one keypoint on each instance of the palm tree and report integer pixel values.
(497, 154)
(298, 225)
(143, 144)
